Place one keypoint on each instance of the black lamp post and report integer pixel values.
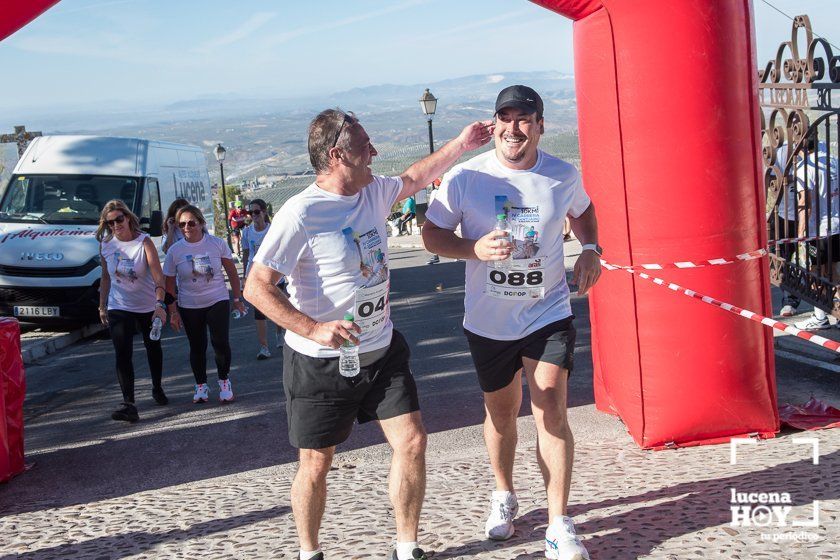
(428, 103)
(220, 152)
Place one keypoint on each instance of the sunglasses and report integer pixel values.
(340, 128)
(118, 220)
(256, 212)
(191, 223)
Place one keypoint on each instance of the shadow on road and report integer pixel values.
(84, 456)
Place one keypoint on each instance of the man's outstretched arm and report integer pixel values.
(423, 172)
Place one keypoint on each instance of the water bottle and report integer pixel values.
(237, 314)
(348, 358)
(502, 225)
(157, 325)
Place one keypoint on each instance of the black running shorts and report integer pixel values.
(497, 361)
(321, 405)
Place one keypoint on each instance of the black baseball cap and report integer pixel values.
(520, 97)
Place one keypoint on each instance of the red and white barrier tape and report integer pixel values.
(690, 264)
(810, 337)
(794, 240)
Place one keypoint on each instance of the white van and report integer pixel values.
(49, 212)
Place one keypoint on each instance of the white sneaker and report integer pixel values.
(279, 338)
(561, 542)
(263, 354)
(202, 393)
(813, 324)
(787, 311)
(503, 509)
(225, 390)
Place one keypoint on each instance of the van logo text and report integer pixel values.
(27, 256)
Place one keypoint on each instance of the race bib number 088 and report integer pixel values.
(519, 279)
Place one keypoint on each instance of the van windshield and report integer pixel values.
(63, 199)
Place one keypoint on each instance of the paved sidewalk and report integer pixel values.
(628, 503)
(213, 482)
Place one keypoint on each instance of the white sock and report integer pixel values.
(404, 550)
(565, 522)
(308, 555)
(819, 314)
(504, 496)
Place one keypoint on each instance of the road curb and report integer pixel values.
(37, 349)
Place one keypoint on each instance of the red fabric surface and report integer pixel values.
(17, 13)
(669, 138)
(813, 415)
(12, 393)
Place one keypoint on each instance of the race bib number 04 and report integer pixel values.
(520, 279)
(371, 307)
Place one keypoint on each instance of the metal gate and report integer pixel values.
(799, 93)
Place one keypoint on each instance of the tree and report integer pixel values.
(220, 218)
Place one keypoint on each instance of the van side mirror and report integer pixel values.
(156, 224)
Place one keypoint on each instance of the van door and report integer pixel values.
(151, 216)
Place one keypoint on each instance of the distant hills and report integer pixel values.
(267, 136)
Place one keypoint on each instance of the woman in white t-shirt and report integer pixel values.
(130, 297)
(195, 263)
(252, 238)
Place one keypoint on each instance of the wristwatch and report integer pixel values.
(160, 303)
(592, 247)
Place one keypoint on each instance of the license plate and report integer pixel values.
(35, 311)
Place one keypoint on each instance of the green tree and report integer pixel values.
(220, 213)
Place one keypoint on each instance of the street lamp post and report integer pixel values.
(428, 103)
(220, 152)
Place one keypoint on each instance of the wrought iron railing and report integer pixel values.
(800, 118)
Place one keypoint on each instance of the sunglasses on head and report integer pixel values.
(191, 223)
(118, 220)
(346, 120)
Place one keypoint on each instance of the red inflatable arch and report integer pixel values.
(669, 133)
(669, 139)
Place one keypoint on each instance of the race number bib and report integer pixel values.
(519, 279)
(371, 307)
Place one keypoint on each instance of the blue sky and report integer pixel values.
(130, 51)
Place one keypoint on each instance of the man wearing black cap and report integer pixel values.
(511, 203)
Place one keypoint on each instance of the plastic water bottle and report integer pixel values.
(348, 358)
(502, 225)
(238, 314)
(157, 325)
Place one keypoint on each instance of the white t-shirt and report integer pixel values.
(816, 175)
(251, 240)
(531, 292)
(132, 285)
(334, 251)
(198, 270)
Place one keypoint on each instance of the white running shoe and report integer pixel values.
(225, 390)
(503, 509)
(561, 542)
(202, 393)
(787, 311)
(813, 324)
(263, 354)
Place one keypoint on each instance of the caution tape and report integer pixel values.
(692, 264)
(790, 240)
(805, 335)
